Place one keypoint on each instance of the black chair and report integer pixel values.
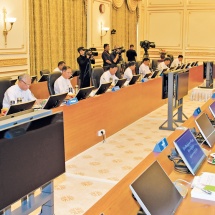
(96, 75)
(75, 72)
(44, 72)
(5, 83)
(154, 64)
(137, 66)
(119, 71)
(50, 81)
(13, 81)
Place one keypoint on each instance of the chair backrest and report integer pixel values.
(96, 75)
(5, 83)
(137, 64)
(75, 72)
(118, 72)
(44, 71)
(50, 81)
(154, 64)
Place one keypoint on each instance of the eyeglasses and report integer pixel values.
(26, 83)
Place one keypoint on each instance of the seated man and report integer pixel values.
(128, 74)
(177, 62)
(144, 67)
(19, 91)
(59, 67)
(63, 84)
(109, 75)
(164, 65)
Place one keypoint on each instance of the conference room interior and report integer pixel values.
(99, 169)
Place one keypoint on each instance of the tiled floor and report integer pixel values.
(95, 171)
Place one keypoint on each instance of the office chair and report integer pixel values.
(118, 72)
(5, 83)
(137, 64)
(75, 72)
(154, 64)
(96, 75)
(50, 81)
(44, 71)
(13, 81)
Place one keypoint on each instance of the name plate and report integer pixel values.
(72, 101)
(213, 96)
(197, 111)
(161, 145)
(115, 88)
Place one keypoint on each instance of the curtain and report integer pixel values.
(125, 24)
(57, 29)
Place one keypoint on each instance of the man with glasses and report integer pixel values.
(19, 92)
(63, 84)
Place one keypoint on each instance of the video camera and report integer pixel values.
(147, 45)
(119, 50)
(91, 52)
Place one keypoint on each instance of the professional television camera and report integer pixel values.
(119, 50)
(91, 52)
(146, 45)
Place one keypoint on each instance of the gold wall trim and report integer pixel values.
(166, 3)
(201, 54)
(13, 62)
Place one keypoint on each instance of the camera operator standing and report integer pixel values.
(85, 60)
(116, 56)
(106, 57)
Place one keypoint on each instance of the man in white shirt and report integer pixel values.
(19, 91)
(178, 61)
(109, 75)
(144, 67)
(63, 84)
(128, 74)
(164, 65)
(59, 67)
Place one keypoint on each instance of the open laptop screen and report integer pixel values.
(54, 101)
(134, 79)
(206, 128)
(190, 151)
(83, 93)
(155, 192)
(103, 88)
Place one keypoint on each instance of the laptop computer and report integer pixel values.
(187, 66)
(120, 82)
(44, 77)
(178, 67)
(134, 79)
(164, 70)
(83, 93)
(155, 73)
(147, 75)
(206, 128)
(20, 107)
(54, 101)
(190, 151)
(155, 192)
(103, 88)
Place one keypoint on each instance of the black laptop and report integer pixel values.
(134, 79)
(155, 73)
(83, 93)
(120, 82)
(54, 101)
(147, 75)
(20, 107)
(103, 88)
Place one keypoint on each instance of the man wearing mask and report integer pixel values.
(84, 61)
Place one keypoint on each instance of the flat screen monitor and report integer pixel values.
(196, 64)
(190, 151)
(192, 64)
(147, 75)
(20, 107)
(83, 93)
(212, 109)
(103, 88)
(54, 101)
(134, 79)
(183, 66)
(155, 192)
(182, 79)
(44, 77)
(206, 128)
(187, 66)
(33, 79)
(178, 67)
(32, 154)
(120, 82)
(155, 73)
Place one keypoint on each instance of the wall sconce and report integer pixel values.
(11, 20)
(105, 29)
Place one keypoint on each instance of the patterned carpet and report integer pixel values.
(94, 172)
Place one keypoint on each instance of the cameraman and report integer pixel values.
(84, 60)
(115, 56)
(106, 57)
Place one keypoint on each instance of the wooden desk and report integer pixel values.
(111, 111)
(119, 199)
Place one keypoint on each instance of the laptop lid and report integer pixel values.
(134, 79)
(155, 192)
(190, 151)
(103, 88)
(20, 107)
(206, 128)
(83, 93)
(54, 101)
(120, 82)
(147, 75)
(155, 73)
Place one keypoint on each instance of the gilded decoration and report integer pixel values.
(132, 5)
(117, 4)
(13, 62)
